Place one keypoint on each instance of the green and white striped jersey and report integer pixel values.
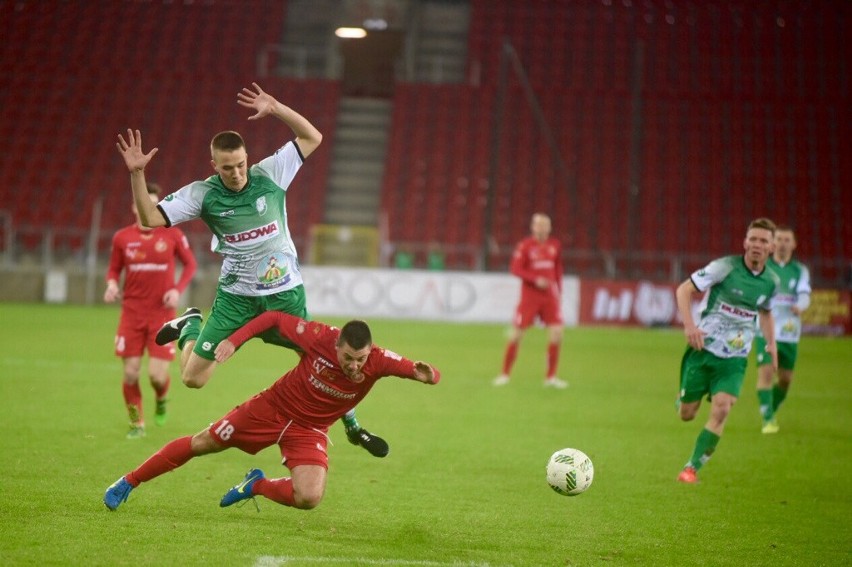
(730, 307)
(249, 227)
(795, 291)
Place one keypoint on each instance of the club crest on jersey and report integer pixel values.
(260, 204)
(161, 246)
(272, 272)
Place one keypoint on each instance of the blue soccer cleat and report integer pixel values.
(117, 493)
(242, 491)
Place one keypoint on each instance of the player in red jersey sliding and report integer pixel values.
(147, 256)
(537, 260)
(338, 367)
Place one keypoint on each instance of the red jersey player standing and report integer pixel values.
(537, 260)
(337, 369)
(147, 258)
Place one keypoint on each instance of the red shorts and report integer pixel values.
(255, 425)
(546, 307)
(136, 334)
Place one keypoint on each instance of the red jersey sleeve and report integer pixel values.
(116, 258)
(300, 332)
(520, 265)
(187, 258)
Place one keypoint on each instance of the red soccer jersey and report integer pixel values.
(147, 258)
(533, 259)
(316, 393)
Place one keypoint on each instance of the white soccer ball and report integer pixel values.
(570, 472)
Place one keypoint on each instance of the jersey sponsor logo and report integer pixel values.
(228, 213)
(737, 312)
(392, 355)
(253, 236)
(148, 267)
(326, 389)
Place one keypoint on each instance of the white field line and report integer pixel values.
(283, 560)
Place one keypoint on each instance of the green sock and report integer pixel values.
(704, 447)
(190, 331)
(778, 395)
(350, 421)
(767, 407)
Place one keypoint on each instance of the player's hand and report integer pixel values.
(795, 310)
(263, 103)
(224, 350)
(112, 293)
(694, 336)
(772, 349)
(425, 373)
(131, 150)
(542, 283)
(170, 298)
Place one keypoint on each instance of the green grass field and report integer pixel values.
(464, 482)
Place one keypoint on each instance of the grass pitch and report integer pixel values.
(464, 482)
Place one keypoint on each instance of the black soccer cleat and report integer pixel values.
(171, 330)
(374, 444)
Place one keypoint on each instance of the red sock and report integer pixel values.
(552, 359)
(276, 489)
(170, 457)
(162, 391)
(133, 401)
(509, 357)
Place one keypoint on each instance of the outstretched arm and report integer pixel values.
(425, 373)
(136, 160)
(307, 136)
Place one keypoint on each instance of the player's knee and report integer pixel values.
(131, 378)
(193, 380)
(687, 412)
(307, 499)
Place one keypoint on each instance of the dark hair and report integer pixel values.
(763, 223)
(785, 228)
(227, 141)
(153, 188)
(356, 334)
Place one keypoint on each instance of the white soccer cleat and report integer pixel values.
(554, 382)
(501, 380)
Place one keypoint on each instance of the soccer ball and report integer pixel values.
(570, 472)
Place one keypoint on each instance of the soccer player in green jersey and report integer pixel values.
(793, 298)
(245, 208)
(739, 290)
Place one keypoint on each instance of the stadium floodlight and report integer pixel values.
(350, 32)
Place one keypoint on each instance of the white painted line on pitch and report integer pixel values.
(278, 560)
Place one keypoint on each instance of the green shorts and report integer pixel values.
(703, 373)
(787, 353)
(230, 312)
